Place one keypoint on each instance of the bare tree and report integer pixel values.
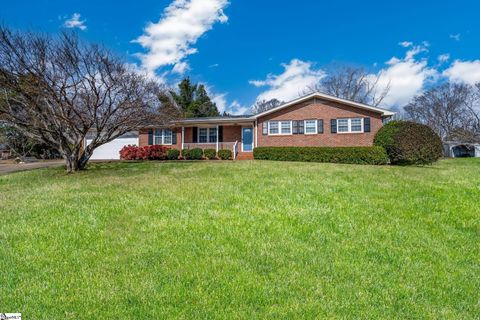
(265, 105)
(354, 84)
(57, 90)
(450, 110)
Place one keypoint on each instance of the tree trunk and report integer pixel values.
(76, 161)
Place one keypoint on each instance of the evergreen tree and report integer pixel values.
(194, 101)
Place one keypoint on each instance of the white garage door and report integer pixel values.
(110, 151)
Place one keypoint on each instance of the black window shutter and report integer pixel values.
(220, 133)
(333, 125)
(366, 125)
(320, 126)
(301, 127)
(265, 128)
(174, 137)
(195, 134)
(295, 127)
(150, 137)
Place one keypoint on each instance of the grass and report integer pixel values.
(242, 240)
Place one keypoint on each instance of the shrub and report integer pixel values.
(143, 153)
(355, 155)
(409, 143)
(192, 154)
(225, 154)
(129, 152)
(173, 154)
(210, 154)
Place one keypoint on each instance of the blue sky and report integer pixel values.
(246, 50)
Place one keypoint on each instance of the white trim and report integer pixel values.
(280, 132)
(216, 147)
(383, 112)
(305, 127)
(208, 135)
(349, 125)
(162, 136)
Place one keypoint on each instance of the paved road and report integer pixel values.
(9, 167)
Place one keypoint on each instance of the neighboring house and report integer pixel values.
(313, 120)
(455, 149)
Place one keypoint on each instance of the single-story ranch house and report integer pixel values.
(313, 120)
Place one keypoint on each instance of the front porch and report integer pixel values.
(238, 137)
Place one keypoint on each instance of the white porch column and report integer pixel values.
(217, 139)
(183, 137)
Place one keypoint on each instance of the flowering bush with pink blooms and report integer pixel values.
(143, 153)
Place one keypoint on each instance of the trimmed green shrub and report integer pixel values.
(173, 154)
(210, 154)
(225, 154)
(409, 143)
(354, 155)
(192, 154)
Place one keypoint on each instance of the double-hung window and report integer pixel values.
(273, 128)
(207, 135)
(350, 125)
(310, 126)
(163, 137)
(279, 127)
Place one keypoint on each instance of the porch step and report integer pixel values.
(244, 156)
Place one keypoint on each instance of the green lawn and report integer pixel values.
(242, 240)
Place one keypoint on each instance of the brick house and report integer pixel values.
(313, 120)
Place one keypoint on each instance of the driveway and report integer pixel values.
(9, 166)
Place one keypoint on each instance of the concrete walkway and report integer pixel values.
(9, 166)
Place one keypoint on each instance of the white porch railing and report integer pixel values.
(235, 150)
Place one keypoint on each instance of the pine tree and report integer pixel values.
(194, 100)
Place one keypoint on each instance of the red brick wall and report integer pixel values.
(230, 134)
(143, 138)
(319, 110)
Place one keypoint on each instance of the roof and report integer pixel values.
(250, 118)
(324, 96)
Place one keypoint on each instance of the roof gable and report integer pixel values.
(323, 96)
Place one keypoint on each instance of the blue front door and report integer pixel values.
(247, 139)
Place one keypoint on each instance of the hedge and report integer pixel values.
(409, 143)
(192, 154)
(225, 154)
(143, 153)
(210, 154)
(353, 155)
(173, 154)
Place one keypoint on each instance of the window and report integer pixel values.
(356, 125)
(286, 127)
(273, 127)
(279, 127)
(310, 126)
(350, 125)
(212, 135)
(203, 135)
(163, 137)
(207, 135)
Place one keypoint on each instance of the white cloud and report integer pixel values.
(464, 71)
(295, 79)
(181, 67)
(234, 108)
(443, 57)
(171, 39)
(455, 37)
(406, 77)
(405, 44)
(75, 22)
